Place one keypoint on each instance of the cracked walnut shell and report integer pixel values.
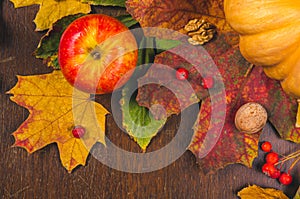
(251, 118)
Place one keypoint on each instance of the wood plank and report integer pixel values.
(40, 175)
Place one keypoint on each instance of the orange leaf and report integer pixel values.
(55, 107)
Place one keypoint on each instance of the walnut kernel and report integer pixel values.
(199, 31)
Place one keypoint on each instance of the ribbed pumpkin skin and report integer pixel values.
(269, 37)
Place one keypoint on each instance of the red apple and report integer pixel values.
(96, 53)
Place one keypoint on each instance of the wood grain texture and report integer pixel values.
(40, 175)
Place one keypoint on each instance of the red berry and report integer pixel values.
(275, 174)
(207, 82)
(269, 169)
(78, 131)
(182, 74)
(285, 179)
(266, 146)
(272, 158)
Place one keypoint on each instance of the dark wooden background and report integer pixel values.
(41, 175)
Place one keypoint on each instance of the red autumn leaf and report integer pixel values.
(216, 140)
(234, 146)
(160, 85)
(282, 109)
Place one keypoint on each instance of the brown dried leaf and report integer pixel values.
(176, 14)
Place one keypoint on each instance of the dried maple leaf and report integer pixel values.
(55, 108)
(176, 14)
(52, 10)
(254, 191)
(217, 142)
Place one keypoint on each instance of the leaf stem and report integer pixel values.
(249, 70)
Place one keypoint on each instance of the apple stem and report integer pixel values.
(96, 55)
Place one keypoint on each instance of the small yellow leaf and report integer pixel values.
(55, 108)
(254, 191)
(297, 196)
(52, 10)
(298, 115)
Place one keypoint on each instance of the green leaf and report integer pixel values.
(48, 46)
(166, 44)
(120, 3)
(137, 120)
(127, 20)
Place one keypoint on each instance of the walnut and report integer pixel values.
(199, 31)
(251, 118)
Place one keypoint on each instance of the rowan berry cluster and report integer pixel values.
(273, 161)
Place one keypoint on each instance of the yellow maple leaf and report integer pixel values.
(55, 108)
(52, 10)
(297, 196)
(255, 191)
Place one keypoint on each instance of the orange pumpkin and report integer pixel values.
(270, 37)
